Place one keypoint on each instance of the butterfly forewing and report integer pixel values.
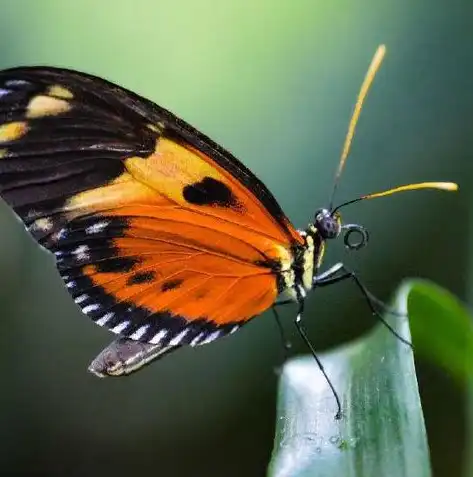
(160, 235)
(58, 140)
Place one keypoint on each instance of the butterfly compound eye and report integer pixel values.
(328, 225)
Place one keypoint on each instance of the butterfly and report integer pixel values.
(159, 234)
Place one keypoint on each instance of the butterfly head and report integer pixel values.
(328, 222)
(328, 225)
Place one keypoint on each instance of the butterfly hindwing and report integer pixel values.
(159, 234)
(140, 279)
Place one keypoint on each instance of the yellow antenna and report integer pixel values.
(448, 186)
(365, 87)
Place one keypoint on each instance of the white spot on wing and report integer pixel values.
(196, 339)
(212, 337)
(178, 338)
(16, 82)
(71, 284)
(89, 308)
(60, 234)
(158, 337)
(96, 228)
(81, 298)
(120, 327)
(105, 318)
(4, 92)
(139, 332)
(81, 252)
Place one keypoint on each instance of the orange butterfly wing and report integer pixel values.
(159, 234)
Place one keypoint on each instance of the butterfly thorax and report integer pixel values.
(297, 279)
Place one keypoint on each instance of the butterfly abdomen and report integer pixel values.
(296, 276)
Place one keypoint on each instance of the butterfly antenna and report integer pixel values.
(447, 186)
(365, 87)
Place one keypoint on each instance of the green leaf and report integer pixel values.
(382, 432)
(441, 328)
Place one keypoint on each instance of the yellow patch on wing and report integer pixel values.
(121, 192)
(3, 153)
(13, 131)
(41, 106)
(170, 167)
(191, 179)
(44, 224)
(60, 92)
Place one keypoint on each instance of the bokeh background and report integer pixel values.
(274, 81)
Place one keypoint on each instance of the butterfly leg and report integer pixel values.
(302, 332)
(340, 272)
(286, 344)
(125, 356)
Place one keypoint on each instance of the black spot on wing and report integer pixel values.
(171, 284)
(209, 191)
(141, 277)
(117, 264)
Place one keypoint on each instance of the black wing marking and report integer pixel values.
(90, 241)
(62, 133)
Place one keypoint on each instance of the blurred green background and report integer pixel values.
(274, 81)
